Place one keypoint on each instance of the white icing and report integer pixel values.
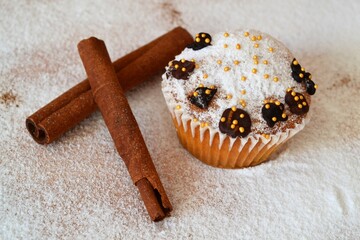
(258, 88)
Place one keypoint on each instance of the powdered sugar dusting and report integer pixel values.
(256, 52)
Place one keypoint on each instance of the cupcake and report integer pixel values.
(236, 97)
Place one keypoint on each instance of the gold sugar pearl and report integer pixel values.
(267, 106)
(255, 57)
(271, 101)
(253, 38)
(246, 34)
(197, 66)
(206, 124)
(304, 103)
(301, 75)
(303, 69)
(265, 101)
(193, 60)
(207, 40)
(235, 122)
(256, 62)
(236, 62)
(233, 108)
(183, 69)
(218, 61)
(178, 107)
(242, 115)
(295, 62)
(196, 94)
(182, 60)
(243, 78)
(212, 87)
(243, 103)
(232, 126)
(266, 76)
(176, 66)
(299, 106)
(289, 90)
(203, 35)
(238, 46)
(283, 115)
(259, 37)
(277, 103)
(301, 97)
(226, 69)
(223, 119)
(202, 124)
(197, 35)
(207, 91)
(274, 119)
(265, 62)
(201, 85)
(275, 79)
(195, 120)
(205, 76)
(197, 39)
(243, 92)
(241, 129)
(293, 93)
(310, 76)
(271, 49)
(228, 96)
(256, 45)
(254, 70)
(296, 98)
(315, 86)
(225, 45)
(226, 34)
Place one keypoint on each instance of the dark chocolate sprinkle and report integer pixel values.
(310, 87)
(201, 40)
(295, 100)
(203, 97)
(301, 76)
(238, 119)
(178, 72)
(273, 111)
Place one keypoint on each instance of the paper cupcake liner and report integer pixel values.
(218, 150)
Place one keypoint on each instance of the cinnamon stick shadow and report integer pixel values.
(122, 125)
(57, 117)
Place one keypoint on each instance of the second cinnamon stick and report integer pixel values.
(123, 127)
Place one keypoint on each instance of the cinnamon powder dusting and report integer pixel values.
(8, 98)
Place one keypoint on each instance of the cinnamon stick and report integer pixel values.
(124, 130)
(57, 117)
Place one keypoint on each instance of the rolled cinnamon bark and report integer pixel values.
(123, 127)
(70, 108)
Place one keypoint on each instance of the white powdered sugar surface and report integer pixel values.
(253, 90)
(79, 188)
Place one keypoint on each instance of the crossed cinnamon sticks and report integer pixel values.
(104, 89)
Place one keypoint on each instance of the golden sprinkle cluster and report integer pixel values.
(266, 76)
(246, 34)
(256, 45)
(242, 102)
(275, 79)
(243, 92)
(228, 96)
(226, 34)
(236, 62)
(238, 46)
(226, 69)
(271, 49)
(243, 78)
(265, 62)
(254, 70)
(218, 61)
(178, 107)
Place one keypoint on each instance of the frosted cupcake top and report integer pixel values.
(241, 83)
